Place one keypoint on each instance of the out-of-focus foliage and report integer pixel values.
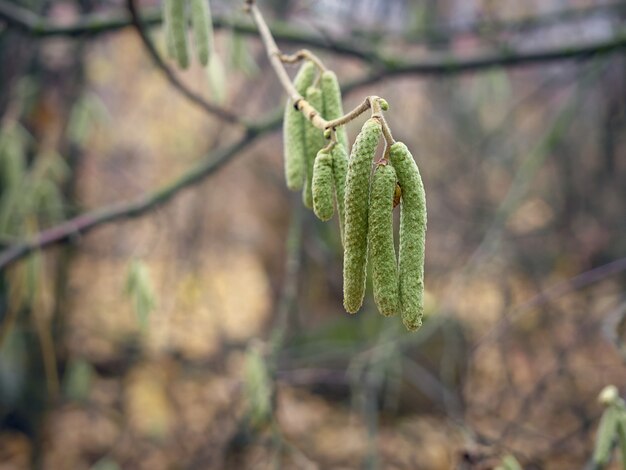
(140, 292)
(612, 428)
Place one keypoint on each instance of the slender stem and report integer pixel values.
(273, 52)
(92, 25)
(277, 58)
(386, 132)
(356, 112)
(303, 54)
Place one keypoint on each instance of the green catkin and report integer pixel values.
(606, 435)
(322, 185)
(412, 236)
(333, 107)
(382, 253)
(356, 208)
(167, 28)
(178, 29)
(293, 130)
(202, 25)
(340, 168)
(314, 141)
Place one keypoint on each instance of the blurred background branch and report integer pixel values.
(32, 24)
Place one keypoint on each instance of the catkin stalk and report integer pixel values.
(340, 169)
(178, 26)
(412, 236)
(202, 26)
(356, 209)
(322, 185)
(314, 141)
(293, 130)
(382, 253)
(333, 107)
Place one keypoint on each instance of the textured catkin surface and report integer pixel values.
(202, 26)
(323, 185)
(382, 254)
(314, 141)
(333, 107)
(340, 169)
(178, 27)
(167, 28)
(412, 236)
(356, 207)
(293, 130)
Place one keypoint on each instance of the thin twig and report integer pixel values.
(37, 26)
(94, 24)
(192, 96)
(303, 54)
(356, 112)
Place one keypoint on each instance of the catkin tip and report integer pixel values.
(412, 325)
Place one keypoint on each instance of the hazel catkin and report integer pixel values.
(178, 29)
(412, 236)
(322, 185)
(340, 168)
(202, 26)
(382, 253)
(333, 107)
(293, 130)
(314, 140)
(356, 209)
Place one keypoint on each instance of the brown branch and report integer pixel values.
(38, 26)
(178, 85)
(91, 25)
(443, 65)
(72, 229)
(277, 58)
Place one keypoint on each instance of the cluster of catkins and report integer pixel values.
(176, 16)
(365, 199)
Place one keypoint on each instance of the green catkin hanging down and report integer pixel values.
(202, 25)
(412, 236)
(178, 29)
(293, 130)
(314, 141)
(322, 185)
(333, 107)
(167, 28)
(606, 435)
(356, 208)
(340, 169)
(382, 253)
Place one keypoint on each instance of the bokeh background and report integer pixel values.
(207, 330)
